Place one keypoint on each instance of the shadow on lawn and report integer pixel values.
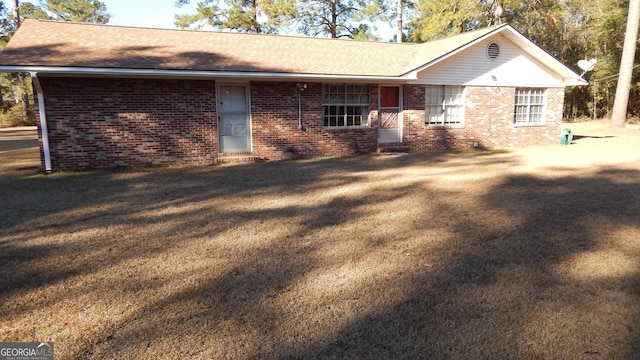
(465, 309)
(509, 274)
(73, 203)
(578, 137)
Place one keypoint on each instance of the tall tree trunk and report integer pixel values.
(399, 22)
(256, 25)
(333, 26)
(25, 96)
(20, 87)
(16, 87)
(498, 13)
(16, 13)
(619, 114)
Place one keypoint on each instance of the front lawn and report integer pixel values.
(524, 253)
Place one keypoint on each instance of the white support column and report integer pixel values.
(43, 122)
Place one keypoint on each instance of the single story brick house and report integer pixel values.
(113, 96)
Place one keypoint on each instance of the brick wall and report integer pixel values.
(489, 121)
(275, 130)
(104, 123)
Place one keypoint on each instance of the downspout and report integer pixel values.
(43, 122)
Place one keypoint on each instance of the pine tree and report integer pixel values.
(259, 16)
(619, 115)
(341, 18)
(333, 18)
(90, 11)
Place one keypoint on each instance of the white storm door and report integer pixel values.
(390, 129)
(233, 118)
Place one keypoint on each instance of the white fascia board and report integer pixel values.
(578, 81)
(493, 84)
(567, 82)
(189, 74)
(560, 83)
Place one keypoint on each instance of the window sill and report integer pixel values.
(439, 127)
(529, 124)
(346, 127)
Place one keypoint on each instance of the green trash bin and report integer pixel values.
(566, 136)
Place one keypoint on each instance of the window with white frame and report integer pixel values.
(530, 104)
(444, 105)
(345, 105)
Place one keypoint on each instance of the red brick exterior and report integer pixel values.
(275, 131)
(106, 123)
(489, 121)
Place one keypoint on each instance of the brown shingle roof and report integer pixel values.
(63, 44)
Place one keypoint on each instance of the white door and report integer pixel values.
(390, 129)
(233, 118)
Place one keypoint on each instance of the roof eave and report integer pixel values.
(577, 81)
(190, 74)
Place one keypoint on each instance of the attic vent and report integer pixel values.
(493, 50)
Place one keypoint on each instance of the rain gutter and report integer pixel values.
(186, 74)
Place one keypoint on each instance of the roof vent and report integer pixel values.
(493, 50)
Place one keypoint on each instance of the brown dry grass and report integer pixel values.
(527, 253)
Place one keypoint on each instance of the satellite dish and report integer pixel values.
(587, 65)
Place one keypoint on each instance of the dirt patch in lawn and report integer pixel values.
(522, 253)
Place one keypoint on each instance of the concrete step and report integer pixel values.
(237, 157)
(392, 148)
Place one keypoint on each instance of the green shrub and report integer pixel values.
(13, 115)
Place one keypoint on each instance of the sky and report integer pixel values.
(160, 13)
(141, 13)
